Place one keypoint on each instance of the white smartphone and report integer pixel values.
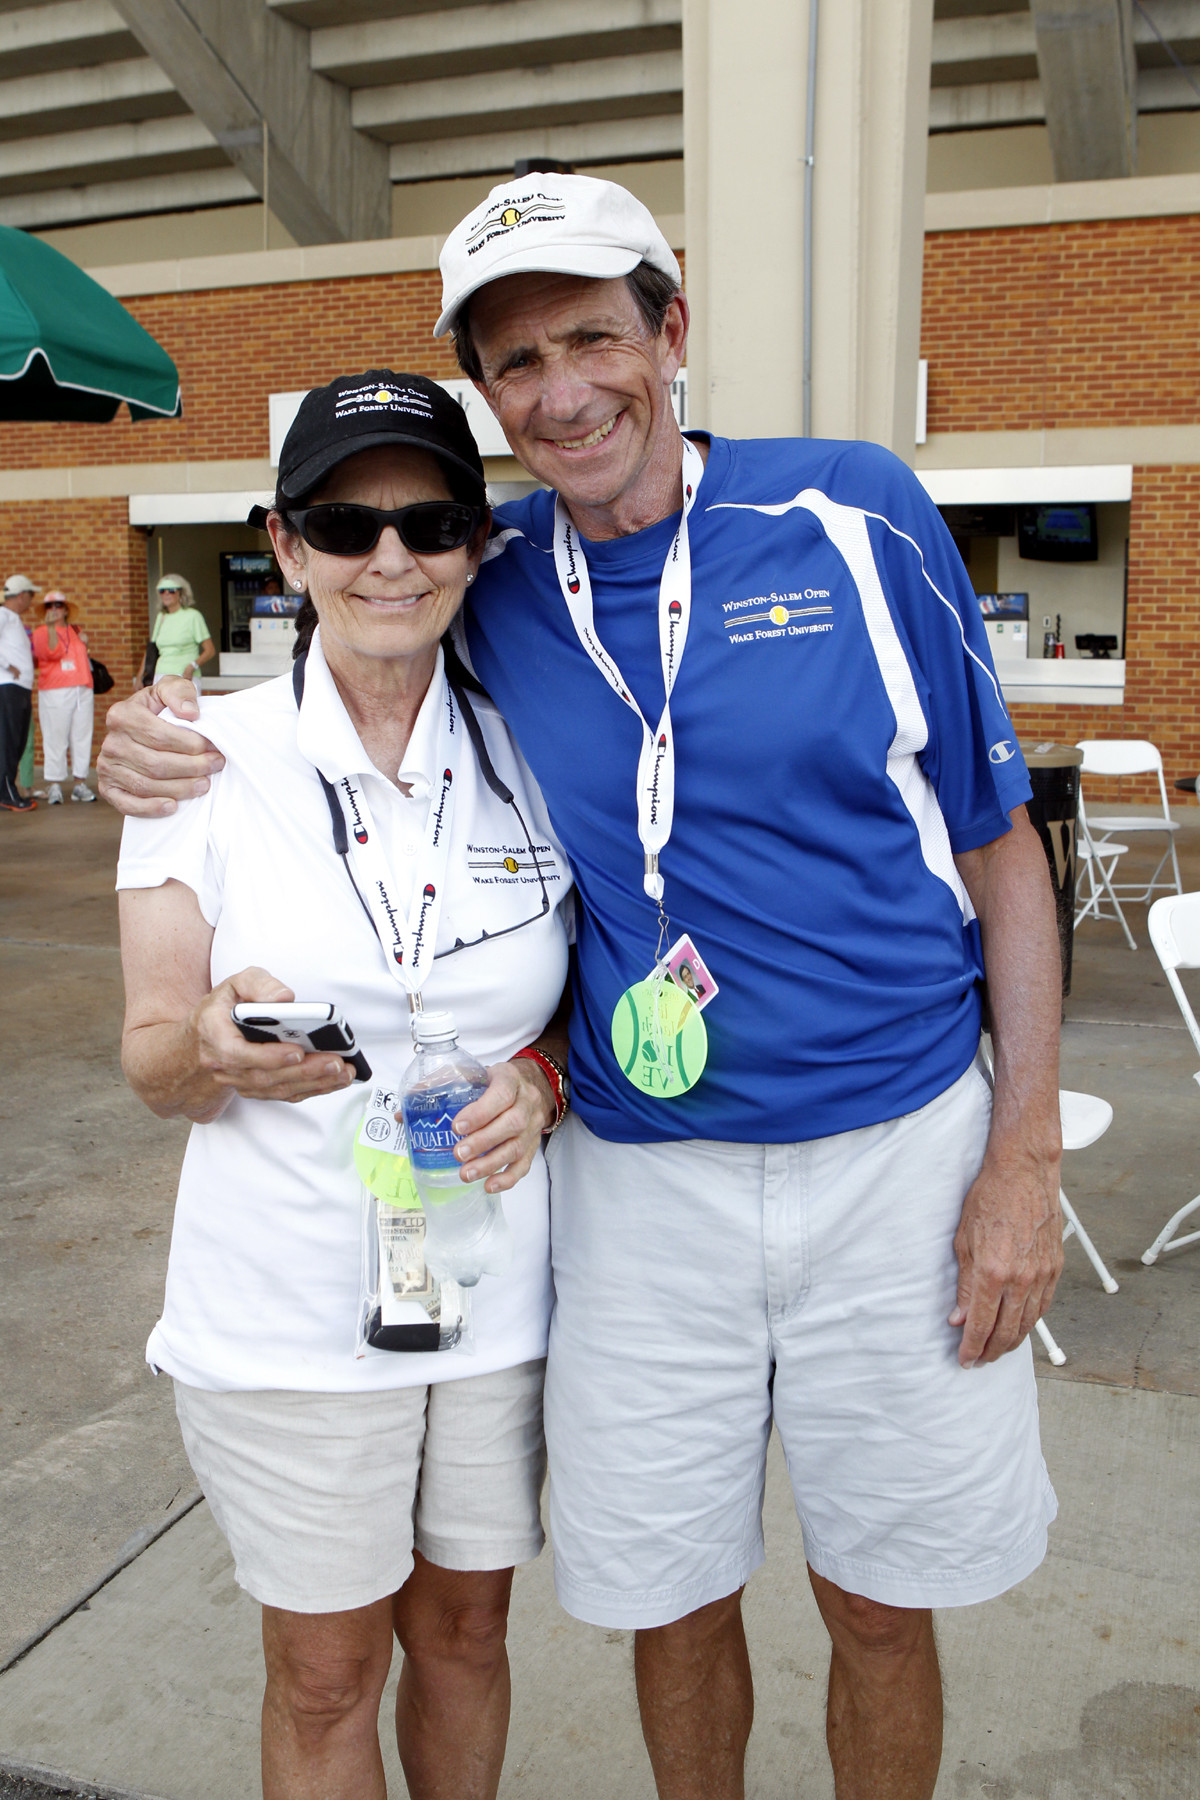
(313, 1025)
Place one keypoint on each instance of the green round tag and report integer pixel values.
(387, 1176)
(659, 1038)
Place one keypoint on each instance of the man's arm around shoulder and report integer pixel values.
(147, 765)
(1009, 1240)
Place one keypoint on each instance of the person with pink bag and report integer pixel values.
(65, 699)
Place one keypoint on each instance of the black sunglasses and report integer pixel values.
(342, 528)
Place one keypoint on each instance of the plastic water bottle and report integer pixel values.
(466, 1233)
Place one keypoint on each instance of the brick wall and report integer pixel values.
(1090, 325)
(233, 347)
(87, 548)
(1063, 325)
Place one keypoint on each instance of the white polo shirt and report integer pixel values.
(15, 651)
(264, 1272)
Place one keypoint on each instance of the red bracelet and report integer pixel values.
(555, 1075)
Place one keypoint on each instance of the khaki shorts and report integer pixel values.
(706, 1291)
(323, 1497)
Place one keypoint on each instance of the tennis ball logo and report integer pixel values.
(779, 615)
(383, 395)
(659, 1039)
(511, 864)
(510, 216)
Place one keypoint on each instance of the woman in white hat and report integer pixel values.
(65, 698)
(179, 633)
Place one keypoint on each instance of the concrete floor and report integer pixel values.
(1083, 1682)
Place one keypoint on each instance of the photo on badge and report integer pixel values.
(689, 971)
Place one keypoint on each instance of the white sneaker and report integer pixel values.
(54, 797)
(81, 791)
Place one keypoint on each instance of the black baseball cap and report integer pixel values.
(357, 412)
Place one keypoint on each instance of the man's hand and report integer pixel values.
(1009, 1249)
(145, 765)
(1009, 1239)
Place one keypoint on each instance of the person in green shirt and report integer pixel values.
(179, 631)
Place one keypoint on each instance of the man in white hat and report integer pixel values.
(16, 689)
(753, 682)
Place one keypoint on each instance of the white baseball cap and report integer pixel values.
(563, 224)
(19, 584)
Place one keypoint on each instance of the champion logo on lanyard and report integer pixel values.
(659, 1037)
(409, 937)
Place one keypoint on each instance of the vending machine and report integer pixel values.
(245, 574)
(1006, 620)
(257, 615)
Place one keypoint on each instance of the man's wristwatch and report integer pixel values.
(560, 1083)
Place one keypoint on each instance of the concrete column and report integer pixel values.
(244, 71)
(744, 72)
(1088, 70)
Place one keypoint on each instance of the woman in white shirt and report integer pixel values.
(364, 1492)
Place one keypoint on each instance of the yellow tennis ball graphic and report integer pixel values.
(779, 614)
(383, 394)
(509, 216)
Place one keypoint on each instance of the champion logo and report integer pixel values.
(675, 612)
(440, 815)
(398, 954)
(1002, 752)
(428, 896)
(360, 830)
(572, 576)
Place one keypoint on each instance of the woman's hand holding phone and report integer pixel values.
(259, 1071)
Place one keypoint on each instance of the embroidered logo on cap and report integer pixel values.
(371, 399)
(504, 216)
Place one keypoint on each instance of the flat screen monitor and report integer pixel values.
(979, 521)
(1059, 533)
(1003, 606)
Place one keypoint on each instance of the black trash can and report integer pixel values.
(1054, 810)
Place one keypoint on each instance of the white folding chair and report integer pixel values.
(1096, 863)
(1175, 933)
(1133, 756)
(1084, 1118)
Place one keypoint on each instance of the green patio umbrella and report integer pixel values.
(68, 350)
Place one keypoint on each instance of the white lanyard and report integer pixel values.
(409, 939)
(656, 764)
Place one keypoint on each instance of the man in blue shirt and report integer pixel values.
(752, 681)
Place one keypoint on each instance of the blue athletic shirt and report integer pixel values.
(839, 733)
